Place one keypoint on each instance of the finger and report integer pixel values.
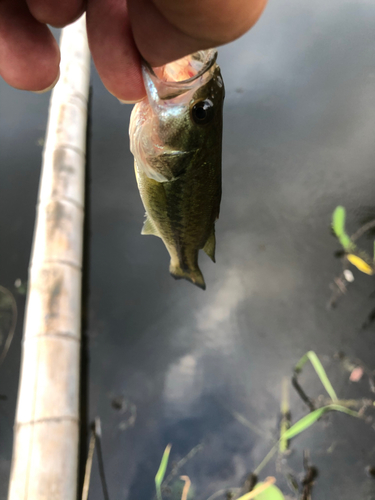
(29, 55)
(113, 49)
(165, 30)
(56, 13)
(157, 39)
(217, 21)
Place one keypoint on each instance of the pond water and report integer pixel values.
(169, 363)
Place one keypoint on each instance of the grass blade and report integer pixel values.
(300, 426)
(320, 371)
(338, 226)
(306, 421)
(298, 367)
(266, 459)
(161, 471)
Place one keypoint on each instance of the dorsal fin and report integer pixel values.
(210, 245)
(149, 228)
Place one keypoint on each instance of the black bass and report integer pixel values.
(175, 137)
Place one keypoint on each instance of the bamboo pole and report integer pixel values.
(45, 449)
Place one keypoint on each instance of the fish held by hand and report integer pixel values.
(176, 140)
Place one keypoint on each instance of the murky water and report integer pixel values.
(172, 364)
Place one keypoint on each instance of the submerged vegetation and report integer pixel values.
(351, 254)
(359, 258)
(256, 488)
(266, 489)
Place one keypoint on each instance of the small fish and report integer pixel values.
(175, 137)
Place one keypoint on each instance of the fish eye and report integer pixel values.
(203, 112)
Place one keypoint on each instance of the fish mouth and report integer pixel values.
(178, 77)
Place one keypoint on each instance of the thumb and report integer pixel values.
(165, 30)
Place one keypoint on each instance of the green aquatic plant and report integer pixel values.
(358, 258)
(267, 489)
(161, 471)
(303, 424)
(320, 371)
(285, 415)
(338, 226)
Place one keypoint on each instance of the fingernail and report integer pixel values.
(130, 102)
(48, 88)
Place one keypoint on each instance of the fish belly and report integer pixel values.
(177, 213)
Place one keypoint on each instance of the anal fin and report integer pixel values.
(149, 228)
(210, 245)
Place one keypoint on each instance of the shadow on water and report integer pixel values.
(85, 354)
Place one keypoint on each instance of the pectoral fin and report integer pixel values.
(168, 165)
(149, 228)
(210, 245)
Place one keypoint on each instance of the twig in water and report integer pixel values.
(310, 476)
(185, 491)
(269, 481)
(13, 323)
(285, 415)
(302, 393)
(181, 463)
(244, 421)
(96, 434)
(249, 483)
(362, 230)
(90, 456)
(229, 492)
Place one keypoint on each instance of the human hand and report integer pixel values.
(119, 32)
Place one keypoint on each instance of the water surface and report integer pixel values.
(172, 364)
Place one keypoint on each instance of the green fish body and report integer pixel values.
(175, 136)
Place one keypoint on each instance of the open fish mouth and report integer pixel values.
(186, 69)
(178, 77)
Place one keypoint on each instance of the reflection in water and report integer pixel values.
(183, 385)
(219, 311)
(296, 143)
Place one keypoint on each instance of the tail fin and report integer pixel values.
(193, 275)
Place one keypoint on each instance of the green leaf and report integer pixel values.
(320, 371)
(285, 412)
(338, 226)
(271, 493)
(306, 421)
(300, 426)
(161, 471)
